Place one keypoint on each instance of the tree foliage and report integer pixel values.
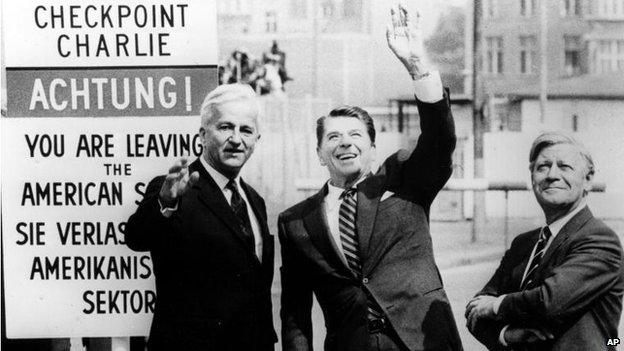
(446, 46)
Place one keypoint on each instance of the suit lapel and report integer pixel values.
(573, 225)
(369, 193)
(315, 223)
(209, 193)
(523, 254)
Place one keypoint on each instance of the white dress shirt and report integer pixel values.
(222, 182)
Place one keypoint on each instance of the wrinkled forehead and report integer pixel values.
(240, 111)
(565, 152)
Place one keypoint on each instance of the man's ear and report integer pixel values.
(589, 180)
(321, 160)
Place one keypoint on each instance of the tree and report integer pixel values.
(446, 47)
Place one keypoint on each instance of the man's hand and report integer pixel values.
(515, 335)
(405, 39)
(481, 306)
(177, 182)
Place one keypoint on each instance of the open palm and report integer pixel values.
(405, 39)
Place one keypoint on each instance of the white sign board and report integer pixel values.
(109, 58)
(66, 194)
(68, 184)
(59, 33)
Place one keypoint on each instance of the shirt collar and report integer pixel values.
(333, 192)
(218, 177)
(556, 226)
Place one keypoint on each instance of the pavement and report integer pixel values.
(452, 259)
(453, 245)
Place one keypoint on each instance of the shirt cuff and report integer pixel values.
(501, 336)
(167, 211)
(429, 87)
(497, 304)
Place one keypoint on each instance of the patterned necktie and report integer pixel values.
(351, 245)
(540, 248)
(240, 209)
(348, 236)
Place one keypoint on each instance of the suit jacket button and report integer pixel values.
(365, 280)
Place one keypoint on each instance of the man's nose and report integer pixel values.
(554, 172)
(235, 138)
(346, 141)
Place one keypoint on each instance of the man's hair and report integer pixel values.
(346, 111)
(553, 138)
(227, 93)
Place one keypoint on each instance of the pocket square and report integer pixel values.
(386, 195)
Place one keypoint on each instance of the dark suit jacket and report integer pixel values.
(212, 291)
(395, 248)
(579, 288)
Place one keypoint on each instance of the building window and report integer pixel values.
(352, 9)
(609, 56)
(528, 56)
(611, 8)
(494, 55)
(327, 8)
(575, 123)
(570, 8)
(270, 21)
(299, 9)
(490, 8)
(572, 52)
(528, 7)
(620, 55)
(233, 7)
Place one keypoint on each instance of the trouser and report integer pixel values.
(383, 338)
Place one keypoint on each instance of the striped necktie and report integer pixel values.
(348, 236)
(540, 248)
(351, 246)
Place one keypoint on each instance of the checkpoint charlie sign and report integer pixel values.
(68, 184)
(108, 58)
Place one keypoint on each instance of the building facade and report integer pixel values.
(335, 49)
(584, 53)
(584, 44)
(583, 37)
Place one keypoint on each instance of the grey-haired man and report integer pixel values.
(558, 287)
(207, 233)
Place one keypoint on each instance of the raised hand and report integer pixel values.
(405, 39)
(177, 182)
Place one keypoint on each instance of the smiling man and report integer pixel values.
(207, 233)
(558, 287)
(361, 245)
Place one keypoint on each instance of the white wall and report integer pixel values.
(596, 117)
(506, 158)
